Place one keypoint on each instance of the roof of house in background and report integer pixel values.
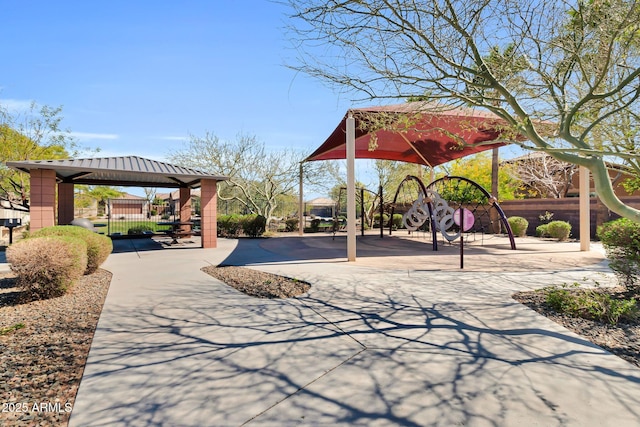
(321, 201)
(533, 155)
(129, 196)
(132, 171)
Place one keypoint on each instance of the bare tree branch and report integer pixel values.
(580, 69)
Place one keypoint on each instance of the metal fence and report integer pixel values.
(234, 207)
(132, 217)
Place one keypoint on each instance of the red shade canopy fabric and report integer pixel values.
(424, 133)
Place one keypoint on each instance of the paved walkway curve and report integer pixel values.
(369, 345)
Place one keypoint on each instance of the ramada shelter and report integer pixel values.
(47, 176)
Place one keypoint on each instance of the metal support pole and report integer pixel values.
(381, 213)
(362, 211)
(461, 211)
(301, 204)
(351, 188)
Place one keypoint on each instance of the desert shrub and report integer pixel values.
(291, 224)
(559, 230)
(542, 230)
(47, 266)
(621, 240)
(139, 229)
(98, 246)
(518, 225)
(315, 225)
(253, 225)
(229, 226)
(591, 304)
(376, 220)
(397, 220)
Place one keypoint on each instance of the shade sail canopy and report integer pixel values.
(416, 132)
(132, 171)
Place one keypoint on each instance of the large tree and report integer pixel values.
(542, 175)
(478, 169)
(101, 194)
(34, 134)
(581, 70)
(258, 176)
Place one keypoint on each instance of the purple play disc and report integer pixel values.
(469, 219)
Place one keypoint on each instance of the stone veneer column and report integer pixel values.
(185, 207)
(65, 203)
(209, 206)
(43, 197)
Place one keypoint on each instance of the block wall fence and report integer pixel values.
(566, 209)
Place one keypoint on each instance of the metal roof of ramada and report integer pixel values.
(130, 171)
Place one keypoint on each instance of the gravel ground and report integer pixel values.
(622, 339)
(43, 349)
(257, 283)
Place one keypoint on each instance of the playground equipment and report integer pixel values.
(340, 212)
(451, 206)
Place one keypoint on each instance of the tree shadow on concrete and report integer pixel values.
(208, 355)
(398, 252)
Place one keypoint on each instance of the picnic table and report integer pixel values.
(176, 231)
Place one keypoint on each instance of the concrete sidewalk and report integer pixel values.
(383, 341)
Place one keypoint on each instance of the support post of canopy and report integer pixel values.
(351, 188)
(585, 211)
(301, 204)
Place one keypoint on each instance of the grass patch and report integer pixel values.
(9, 329)
(123, 227)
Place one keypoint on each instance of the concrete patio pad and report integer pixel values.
(384, 341)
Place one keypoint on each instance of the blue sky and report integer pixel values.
(137, 77)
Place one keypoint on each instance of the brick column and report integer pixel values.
(209, 207)
(185, 207)
(43, 196)
(65, 203)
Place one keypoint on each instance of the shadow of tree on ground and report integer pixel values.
(345, 354)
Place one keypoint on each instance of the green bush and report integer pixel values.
(542, 230)
(397, 220)
(47, 266)
(376, 220)
(253, 225)
(139, 229)
(621, 240)
(591, 304)
(559, 230)
(98, 246)
(229, 226)
(518, 225)
(291, 224)
(315, 225)
(621, 232)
